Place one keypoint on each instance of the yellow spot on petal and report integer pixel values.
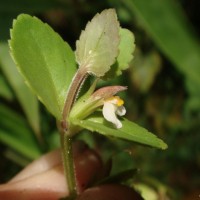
(115, 100)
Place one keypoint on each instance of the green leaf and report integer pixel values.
(16, 134)
(126, 49)
(129, 131)
(15, 157)
(44, 59)
(97, 48)
(193, 102)
(27, 100)
(5, 90)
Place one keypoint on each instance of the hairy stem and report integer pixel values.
(77, 81)
(68, 164)
(66, 134)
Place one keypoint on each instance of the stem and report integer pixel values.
(77, 81)
(68, 164)
(66, 134)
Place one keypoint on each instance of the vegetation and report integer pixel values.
(163, 91)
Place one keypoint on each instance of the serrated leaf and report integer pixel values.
(126, 49)
(129, 131)
(25, 97)
(44, 59)
(97, 47)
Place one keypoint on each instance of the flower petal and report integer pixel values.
(121, 111)
(107, 92)
(109, 110)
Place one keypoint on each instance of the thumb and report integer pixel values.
(44, 178)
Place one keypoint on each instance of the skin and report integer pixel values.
(44, 179)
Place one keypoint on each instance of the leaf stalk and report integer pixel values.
(72, 93)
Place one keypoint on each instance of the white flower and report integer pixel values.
(114, 106)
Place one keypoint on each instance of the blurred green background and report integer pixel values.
(163, 92)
